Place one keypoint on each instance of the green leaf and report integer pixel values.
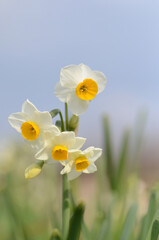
(129, 223)
(105, 231)
(85, 232)
(155, 230)
(109, 158)
(76, 222)
(73, 123)
(54, 112)
(84, 229)
(15, 216)
(122, 159)
(56, 235)
(139, 130)
(150, 230)
(147, 220)
(102, 233)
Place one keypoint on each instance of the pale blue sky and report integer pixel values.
(119, 38)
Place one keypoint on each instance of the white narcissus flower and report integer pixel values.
(78, 85)
(57, 147)
(79, 162)
(32, 123)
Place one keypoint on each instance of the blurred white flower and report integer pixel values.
(81, 161)
(32, 123)
(78, 85)
(56, 147)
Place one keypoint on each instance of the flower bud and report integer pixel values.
(73, 123)
(34, 169)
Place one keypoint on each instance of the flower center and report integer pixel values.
(30, 130)
(87, 90)
(59, 153)
(81, 163)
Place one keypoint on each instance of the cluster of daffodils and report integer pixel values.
(78, 85)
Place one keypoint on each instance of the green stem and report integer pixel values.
(53, 113)
(62, 122)
(66, 194)
(65, 207)
(66, 116)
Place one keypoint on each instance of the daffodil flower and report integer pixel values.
(78, 85)
(32, 123)
(79, 162)
(57, 147)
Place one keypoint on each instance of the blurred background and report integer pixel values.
(117, 37)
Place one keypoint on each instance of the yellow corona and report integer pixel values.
(87, 90)
(30, 130)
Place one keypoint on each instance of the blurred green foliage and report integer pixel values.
(120, 207)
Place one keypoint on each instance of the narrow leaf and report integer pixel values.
(129, 223)
(84, 229)
(156, 217)
(122, 159)
(105, 231)
(85, 232)
(155, 230)
(147, 221)
(109, 158)
(76, 222)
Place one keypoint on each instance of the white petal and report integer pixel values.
(43, 119)
(91, 168)
(97, 154)
(101, 80)
(93, 153)
(65, 138)
(70, 76)
(47, 136)
(67, 168)
(62, 93)
(37, 144)
(79, 141)
(43, 154)
(17, 119)
(76, 105)
(73, 154)
(73, 174)
(54, 130)
(28, 108)
(86, 71)
(64, 162)
(89, 152)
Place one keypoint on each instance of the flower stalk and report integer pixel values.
(66, 194)
(66, 116)
(53, 113)
(65, 207)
